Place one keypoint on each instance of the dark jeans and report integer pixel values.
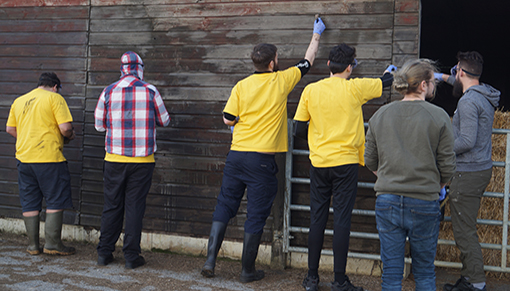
(340, 182)
(256, 173)
(126, 186)
(466, 190)
(398, 218)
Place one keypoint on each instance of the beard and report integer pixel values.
(431, 95)
(276, 67)
(457, 89)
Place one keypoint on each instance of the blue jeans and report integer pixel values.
(399, 217)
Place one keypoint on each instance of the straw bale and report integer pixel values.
(490, 208)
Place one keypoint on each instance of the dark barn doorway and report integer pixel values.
(468, 25)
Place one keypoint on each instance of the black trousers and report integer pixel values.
(126, 186)
(340, 183)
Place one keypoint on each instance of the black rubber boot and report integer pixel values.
(215, 239)
(53, 235)
(32, 227)
(250, 250)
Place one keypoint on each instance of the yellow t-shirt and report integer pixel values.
(36, 116)
(123, 159)
(260, 102)
(336, 134)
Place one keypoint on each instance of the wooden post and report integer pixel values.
(278, 257)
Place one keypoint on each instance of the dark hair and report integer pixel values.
(340, 57)
(471, 63)
(49, 80)
(262, 56)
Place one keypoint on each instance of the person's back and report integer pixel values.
(410, 149)
(37, 115)
(128, 110)
(336, 119)
(257, 108)
(472, 129)
(336, 140)
(261, 104)
(411, 133)
(40, 121)
(474, 154)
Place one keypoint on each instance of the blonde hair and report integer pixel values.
(408, 79)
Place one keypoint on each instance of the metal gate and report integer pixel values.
(288, 207)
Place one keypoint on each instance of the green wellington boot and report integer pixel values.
(32, 227)
(53, 235)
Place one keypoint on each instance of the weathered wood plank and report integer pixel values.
(201, 9)
(187, 177)
(406, 47)
(408, 19)
(7, 149)
(260, 22)
(221, 52)
(76, 64)
(407, 5)
(58, 38)
(68, 12)
(54, 25)
(404, 33)
(159, 41)
(166, 2)
(11, 212)
(189, 190)
(192, 149)
(191, 163)
(29, 3)
(44, 50)
(9, 187)
(29, 78)
(72, 92)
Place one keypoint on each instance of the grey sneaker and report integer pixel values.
(311, 283)
(346, 286)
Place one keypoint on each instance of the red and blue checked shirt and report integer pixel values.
(129, 110)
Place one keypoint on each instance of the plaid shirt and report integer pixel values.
(129, 110)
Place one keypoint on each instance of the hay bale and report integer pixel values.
(490, 208)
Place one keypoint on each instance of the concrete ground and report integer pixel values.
(163, 271)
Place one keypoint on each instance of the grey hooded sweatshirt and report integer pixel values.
(472, 128)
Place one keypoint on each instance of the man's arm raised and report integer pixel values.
(313, 48)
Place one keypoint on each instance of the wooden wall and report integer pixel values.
(194, 52)
(35, 39)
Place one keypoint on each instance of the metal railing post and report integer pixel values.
(504, 241)
(288, 189)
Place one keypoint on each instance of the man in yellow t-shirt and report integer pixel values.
(257, 107)
(40, 121)
(336, 138)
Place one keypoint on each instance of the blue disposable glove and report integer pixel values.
(232, 127)
(318, 26)
(442, 194)
(391, 68)
(453, 70)
(438, 76)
